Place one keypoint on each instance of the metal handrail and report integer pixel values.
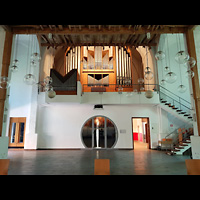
(173, 94)
(176, 141)
(173, 101)
(175, 131)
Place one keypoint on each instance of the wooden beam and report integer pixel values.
(192, 27)
(7, 53)
(6, 27)
(4, 72)
(195, 80)
(95, 44)
(123, 30)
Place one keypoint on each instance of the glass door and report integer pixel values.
(17, 131)
(99, 132)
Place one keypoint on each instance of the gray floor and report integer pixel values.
(81, 162)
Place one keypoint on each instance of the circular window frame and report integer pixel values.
(116, 131)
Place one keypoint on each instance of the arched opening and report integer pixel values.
(99, 132)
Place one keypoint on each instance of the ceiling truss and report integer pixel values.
(97, 35)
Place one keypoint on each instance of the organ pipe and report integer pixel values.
(122, 59)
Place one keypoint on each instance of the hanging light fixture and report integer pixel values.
(189, 73)
(35, 56)
(14, 68)
(29, 78)
(149, 94)
(129, 94)
(147, 69)
(135, 90)
(48, 80)
(160, 55)
(120, 90)
(167, 69)
(4, 82)
(181, 88)
(163, 82)
(191, 62)
(170, 77)
(140, 80)
(142, 88)
(148, 74)
(51, 93)
(181, 57)
(33, 63)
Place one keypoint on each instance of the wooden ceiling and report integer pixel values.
(97, 35)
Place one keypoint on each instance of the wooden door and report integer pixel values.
(17, 131)
(148, 134)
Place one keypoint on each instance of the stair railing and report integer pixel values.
(181, 105)
(175, 103)
(174, 135)
(177, 99)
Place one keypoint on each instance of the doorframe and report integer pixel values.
(16, 120)
(148, 134)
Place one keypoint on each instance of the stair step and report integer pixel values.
(176, 150)
(179, 148)
(183, 146)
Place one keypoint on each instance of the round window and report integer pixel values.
(99, 132)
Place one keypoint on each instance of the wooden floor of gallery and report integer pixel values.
(81, 162)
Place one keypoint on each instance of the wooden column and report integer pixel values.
(4, 72)
(195, 80)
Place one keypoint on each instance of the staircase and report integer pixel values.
(179, 139)
(176, 103)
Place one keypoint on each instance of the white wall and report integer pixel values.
(23, 97)
(59, 124)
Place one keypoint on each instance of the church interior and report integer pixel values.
(120, 91)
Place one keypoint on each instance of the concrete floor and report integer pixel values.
(81, 162)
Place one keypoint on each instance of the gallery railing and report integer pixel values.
(166, 96)
(137, 88)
